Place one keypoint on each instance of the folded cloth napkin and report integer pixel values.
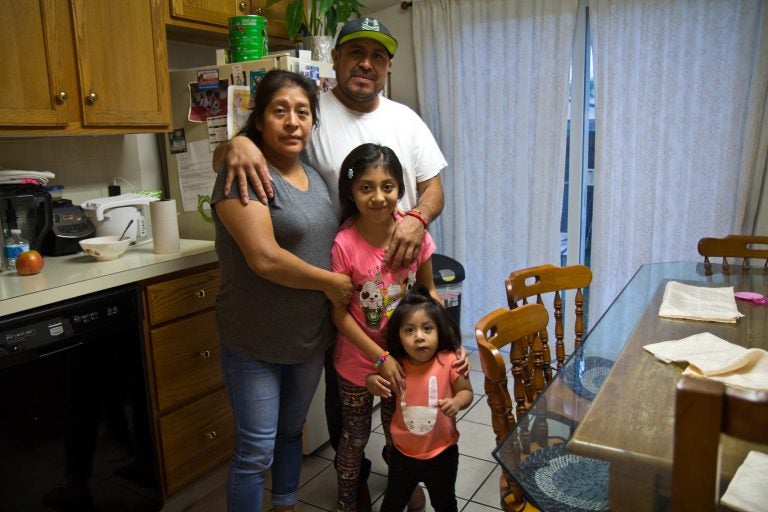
(699, 303)
(714, 358)
(748, 491)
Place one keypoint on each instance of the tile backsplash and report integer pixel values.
(86, 165)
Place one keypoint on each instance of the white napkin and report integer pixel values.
(748, 491)
(699, 303)
(714, 358)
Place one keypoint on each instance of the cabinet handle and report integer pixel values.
(260, 11)
(211, 435)
(200, 294)
(205, 354)
(91, 98)
(61, 97)
(242, 6)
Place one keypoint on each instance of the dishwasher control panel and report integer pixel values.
(50, 329)
(35, 335)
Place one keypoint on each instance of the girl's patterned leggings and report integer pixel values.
(356, 413)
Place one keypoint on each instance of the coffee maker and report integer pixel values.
(26, 207)
(70, 225)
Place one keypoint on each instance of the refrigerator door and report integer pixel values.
(200, 124)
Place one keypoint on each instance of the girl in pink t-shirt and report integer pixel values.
(370, 184)
(423, 337)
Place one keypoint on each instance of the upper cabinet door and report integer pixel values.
(275, 15)
(122, 63)
(33, 92)
(215, 12)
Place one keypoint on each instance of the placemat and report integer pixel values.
(560, 481)
(586, 376)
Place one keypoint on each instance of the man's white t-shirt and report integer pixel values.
(392, 124)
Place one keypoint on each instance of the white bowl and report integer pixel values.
(105, 248)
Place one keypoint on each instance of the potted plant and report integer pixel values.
(317, 18)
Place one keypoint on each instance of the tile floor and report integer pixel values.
(476, 486)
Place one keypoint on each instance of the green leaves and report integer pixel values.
(294, 17)
(340, 11)
(317, 17)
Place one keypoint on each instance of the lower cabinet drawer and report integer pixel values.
(186, 360)
(182, 296)
(196, 439)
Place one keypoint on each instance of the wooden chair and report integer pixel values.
(733, 246)
(523, 285)
(515, 329)
(703, 410)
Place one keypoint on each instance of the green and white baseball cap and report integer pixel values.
(367, 28)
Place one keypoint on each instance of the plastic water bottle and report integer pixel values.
(14, 245)
(2, 248)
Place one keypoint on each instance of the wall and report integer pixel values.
(183, 55)
(86, 165)
(400, 24)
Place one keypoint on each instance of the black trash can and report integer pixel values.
(448, 275)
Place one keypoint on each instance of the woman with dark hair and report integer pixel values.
(272, 313)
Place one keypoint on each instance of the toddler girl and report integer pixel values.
(423, 337)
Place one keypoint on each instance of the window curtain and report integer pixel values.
(681, 130)
(492, 83)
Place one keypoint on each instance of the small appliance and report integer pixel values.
(69, 226)
(26, 207)
(110, 216)
(76, 431)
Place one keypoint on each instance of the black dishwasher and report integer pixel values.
(75, 431)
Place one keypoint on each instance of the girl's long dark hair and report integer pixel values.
(358, 160)
(448, 333)
(272, 82)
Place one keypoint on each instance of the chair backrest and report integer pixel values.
(734, 246)
(511, 328)
(515, 330)
(703, 410)
(523, 285)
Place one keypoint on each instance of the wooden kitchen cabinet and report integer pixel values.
(83, 66)
(193, 420)
(275, 15)
(213, 16)
(211, 12)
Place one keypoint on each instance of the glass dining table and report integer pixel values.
(613, 402)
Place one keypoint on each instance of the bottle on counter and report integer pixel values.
(2, 247)
(14, 245)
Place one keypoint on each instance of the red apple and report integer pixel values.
(29, 262)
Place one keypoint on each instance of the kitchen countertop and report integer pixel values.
(65, 277)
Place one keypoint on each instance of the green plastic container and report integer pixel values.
(248, 38)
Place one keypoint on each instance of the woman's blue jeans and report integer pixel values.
(269, 403)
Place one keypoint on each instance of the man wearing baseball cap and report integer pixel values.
(352, 113)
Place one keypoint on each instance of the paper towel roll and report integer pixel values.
(165, 226)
